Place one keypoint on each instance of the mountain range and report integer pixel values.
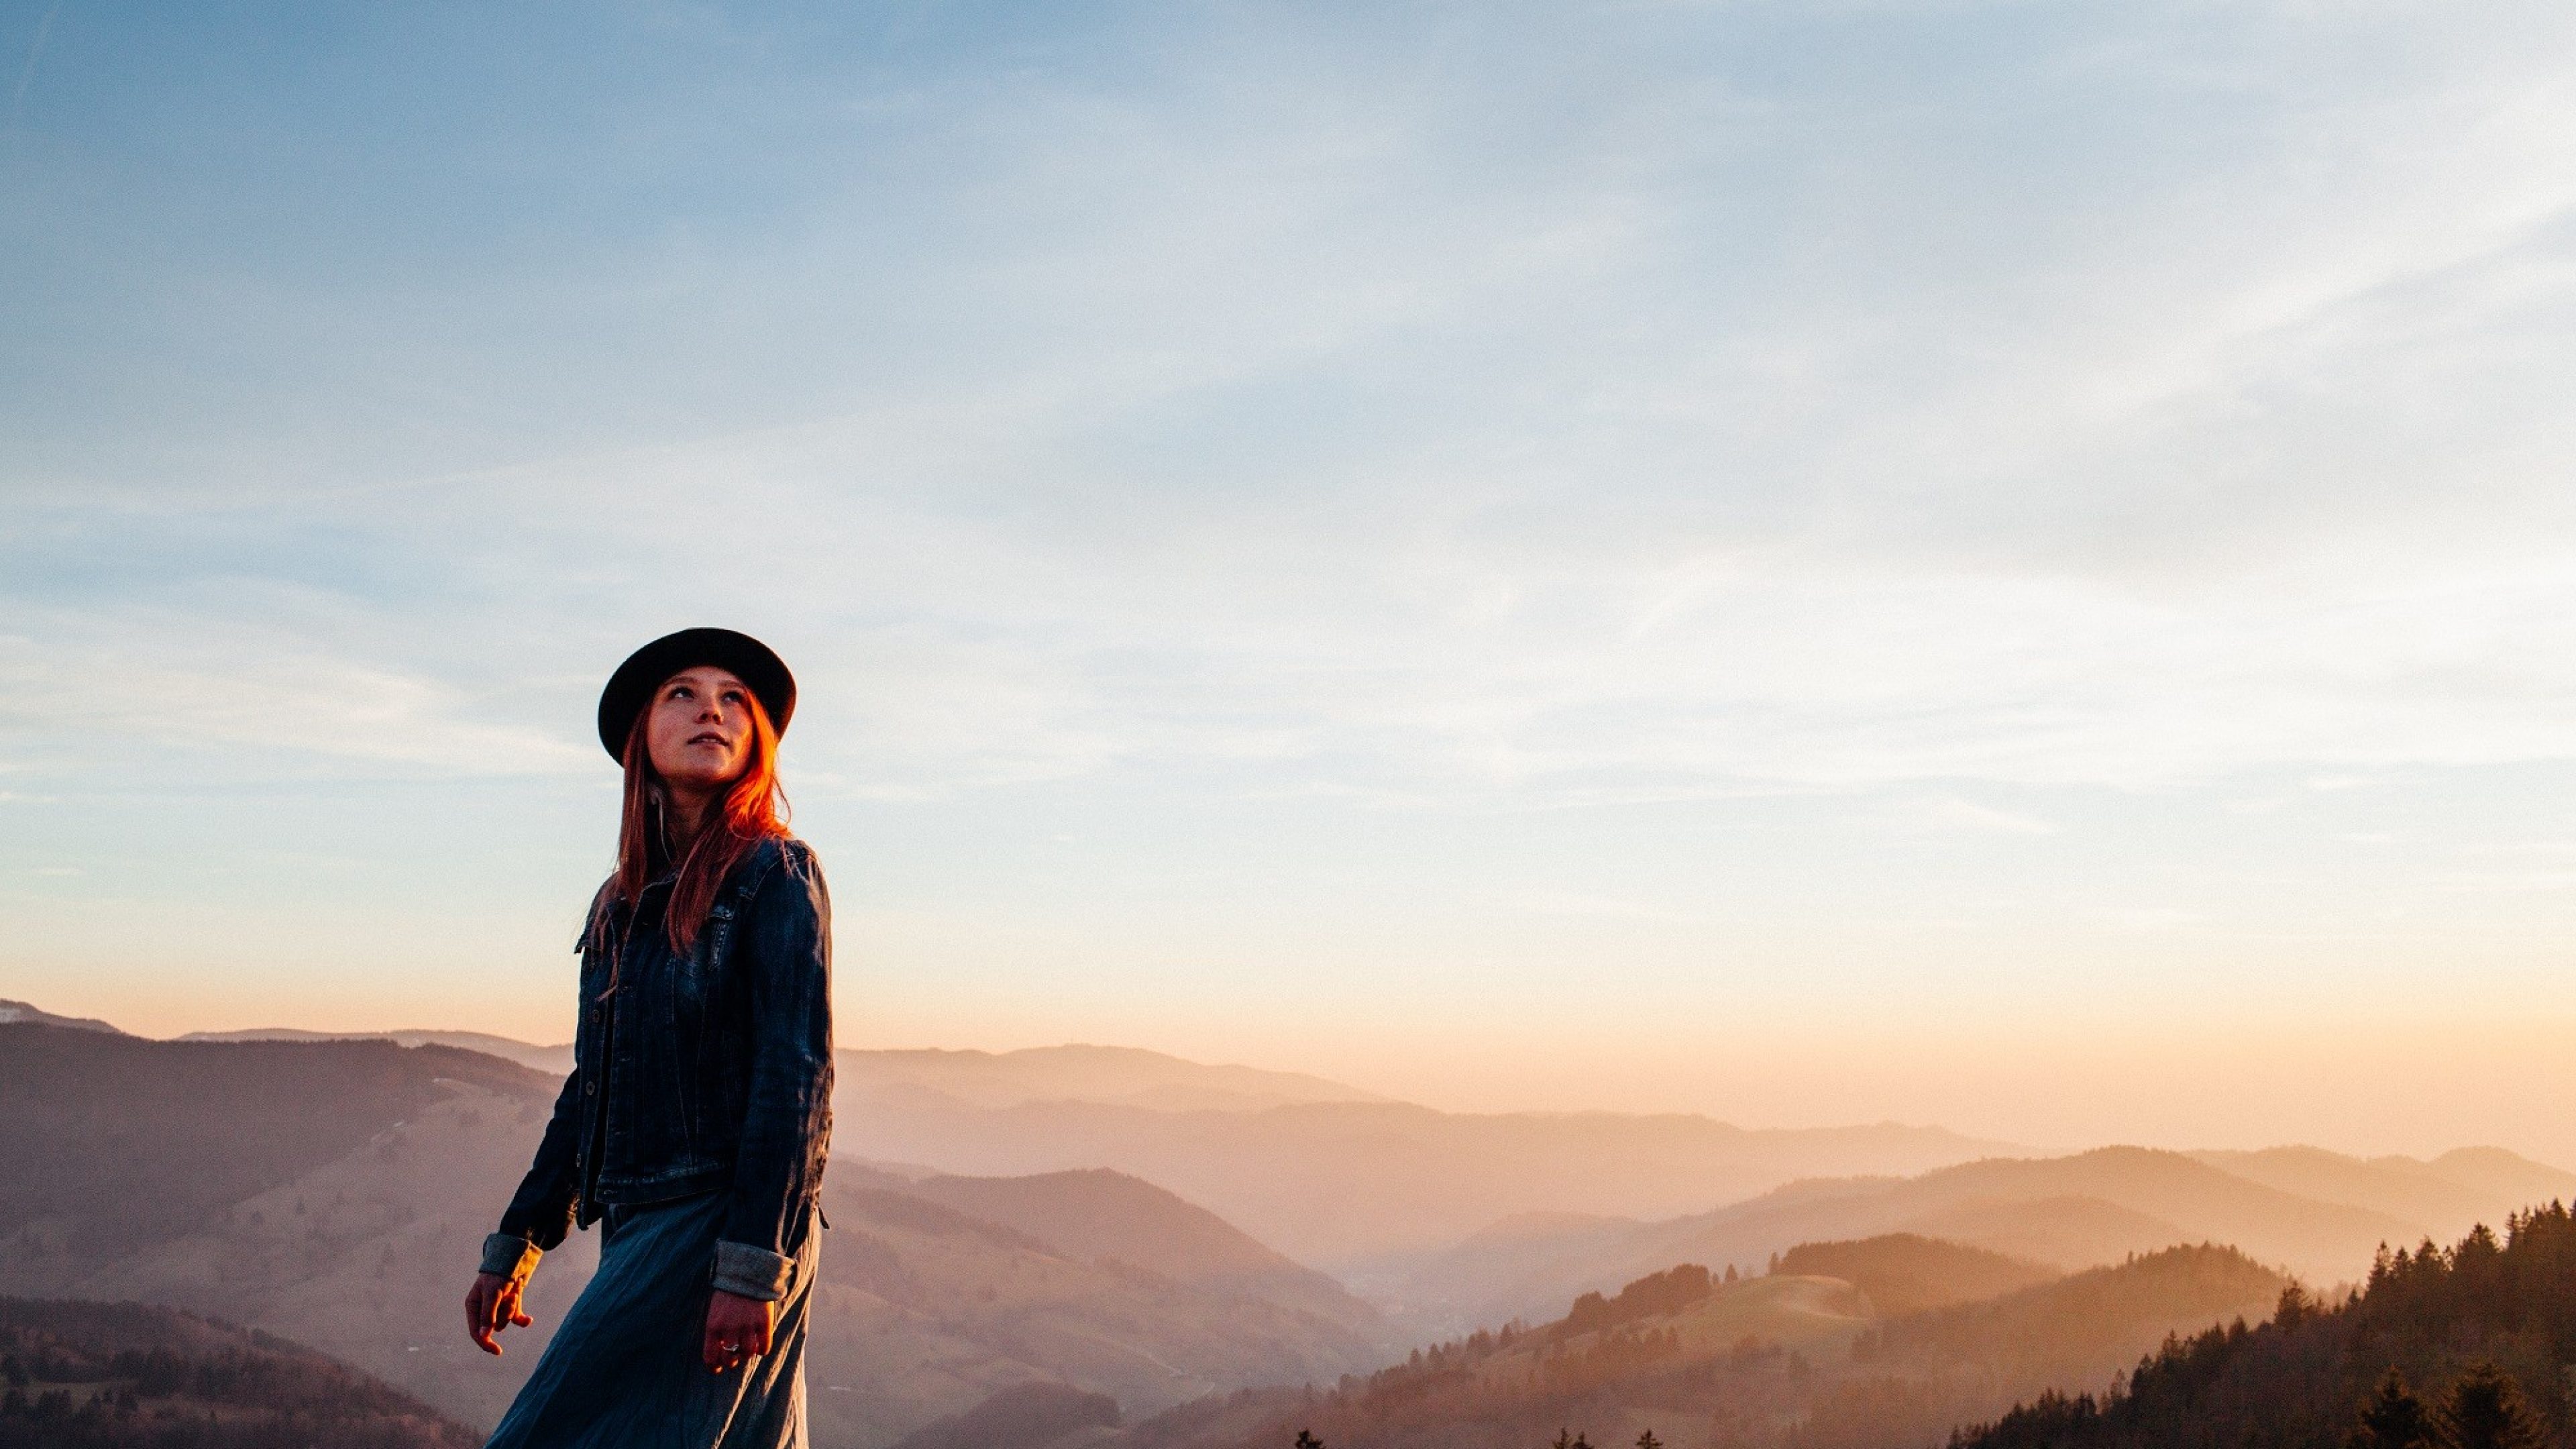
(335, 1192)
(1103, 1246)
(1120, 1076)
(1334, 1176)
(2066, 1212)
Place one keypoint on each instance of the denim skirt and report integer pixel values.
(626, 1367)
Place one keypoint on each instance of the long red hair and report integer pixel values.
(753, 810)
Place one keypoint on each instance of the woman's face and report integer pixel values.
(699, 731)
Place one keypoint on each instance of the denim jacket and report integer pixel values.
(696, 1073)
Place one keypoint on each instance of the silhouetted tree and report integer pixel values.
(1306, 1440)
(2486, 1410)
(2393, 1419)
(2295, 1306)
(1648, 1440)
(2508, 1298)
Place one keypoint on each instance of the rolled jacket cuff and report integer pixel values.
(510, 1255)
(751, 1272)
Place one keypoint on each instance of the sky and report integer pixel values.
(2010, 565)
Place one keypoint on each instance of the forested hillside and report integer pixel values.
(1792, 1360)
(2463, 1348)
(1908, 1273)
(136, 1376)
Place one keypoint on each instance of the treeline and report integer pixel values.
(1697, 1361)
(1912, 1380)
(2442, 1349)
(1907, 1273)
(132, 1376)
(1652, 1296)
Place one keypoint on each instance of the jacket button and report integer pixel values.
(590, 1089)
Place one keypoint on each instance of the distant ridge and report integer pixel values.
(556, 1059)
(18, 1011)
(2313, 1212)
(1077, 1072)
(1080, 1072)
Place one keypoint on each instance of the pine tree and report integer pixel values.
(2295, 1306)
(1648, 1440)
(2393, 1419)
(2486, 1410)
(1306, 1440)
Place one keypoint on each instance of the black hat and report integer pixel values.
(749, 660)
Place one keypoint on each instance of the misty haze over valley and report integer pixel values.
(1084, 1247)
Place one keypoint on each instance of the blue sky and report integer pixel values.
(1949, 561)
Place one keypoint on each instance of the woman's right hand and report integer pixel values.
(491, 1305)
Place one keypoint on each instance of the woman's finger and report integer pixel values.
(478, 1319)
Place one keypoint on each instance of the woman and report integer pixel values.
(696, 1117)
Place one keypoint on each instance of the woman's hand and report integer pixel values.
(491, 1305)
(738, 1329)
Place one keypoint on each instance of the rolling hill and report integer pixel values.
(1106, 1216)
(115, 1141)
(1030, 1416)
(925, 1311)
(1906, 1273)
(139, 1376)
(1782, 1361)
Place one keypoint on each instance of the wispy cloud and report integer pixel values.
(1347, 459)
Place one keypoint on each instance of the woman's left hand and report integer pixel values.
(738, 1330)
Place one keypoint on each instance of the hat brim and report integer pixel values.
(746, 658)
